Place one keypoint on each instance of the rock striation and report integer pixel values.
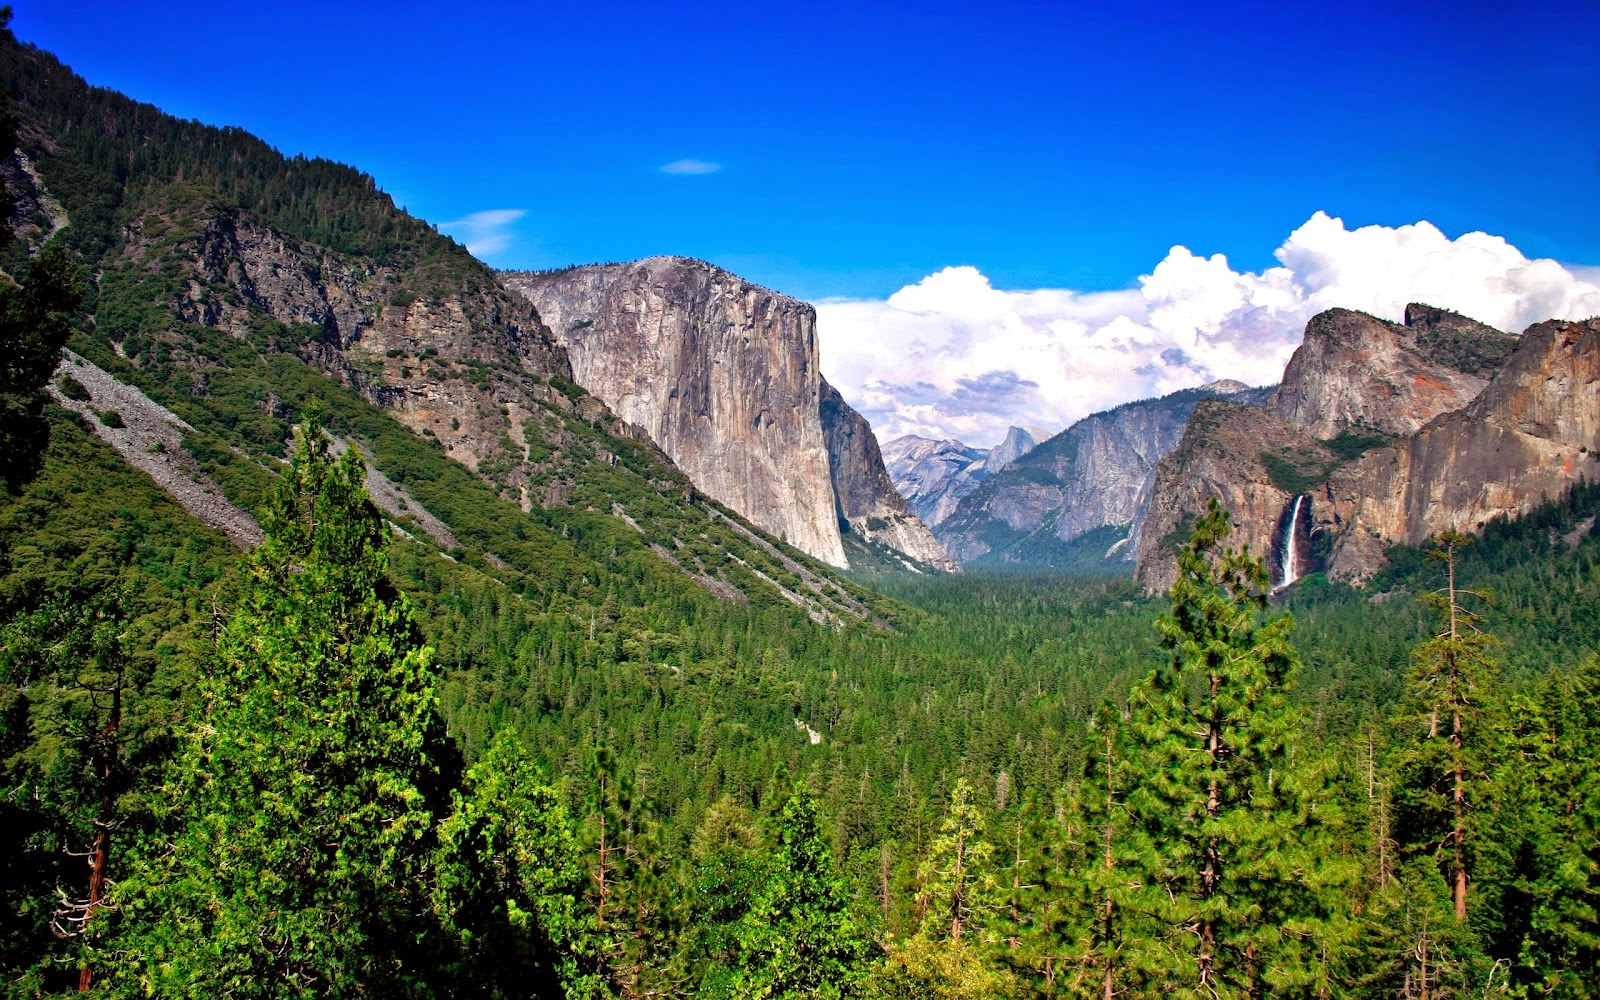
(932, 475)
(1527, 436)
(723, 376)
(868, 503)
(1095, 474)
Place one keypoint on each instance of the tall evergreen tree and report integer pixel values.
(310, 790)
(799, 937)
(1237, 872)
(510, 883)
(1446, 695)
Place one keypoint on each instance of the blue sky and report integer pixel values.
(862, 147)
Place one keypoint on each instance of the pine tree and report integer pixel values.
(958, 882)
(799, 937)
(1096, 909)
(510, 883)
(310, 790)
(1237, 872)
(1446, 693)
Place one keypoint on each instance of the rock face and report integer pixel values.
(1018, 442)
(932, 475)
(723, 376)
(1356, 372)
(1527, 436)
(1095, 474)
(868, 502)
(1220, 456)
(1479, 423)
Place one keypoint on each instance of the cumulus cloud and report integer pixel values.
(953, 356)
(484, 233)
(690, 167)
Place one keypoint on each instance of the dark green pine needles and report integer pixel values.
(307, 857)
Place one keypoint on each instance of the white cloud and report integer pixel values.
(952, 356)
(484, 233)
(690, 167)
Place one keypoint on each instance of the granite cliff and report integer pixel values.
(723, 376)
(1354, 372)
(1384, 433)
(933, 476)
(1094, 475)
(869, 506)
(1528, 435)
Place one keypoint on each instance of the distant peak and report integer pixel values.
(1226, 387)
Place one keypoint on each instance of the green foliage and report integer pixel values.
(511, 882)
(308, 795)
(798, 937)
(33, 329)
(1240, 874)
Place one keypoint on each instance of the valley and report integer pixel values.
(377, 622)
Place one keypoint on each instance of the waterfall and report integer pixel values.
(1289, 557)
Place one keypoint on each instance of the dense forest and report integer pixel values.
(547, 762)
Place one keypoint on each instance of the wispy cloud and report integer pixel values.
(953, 356)
(690, 167)
(484, 233)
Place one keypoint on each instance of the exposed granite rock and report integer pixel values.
(149, 437)
(867, 499)
(1018, 442)
(1527, 436)
(932, 475)
(1220, 456)
(1094, 474)
(723, 376)
(1356, 372)
(1471, 447)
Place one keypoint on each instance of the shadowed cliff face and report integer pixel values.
(723, 376)
(867, 499)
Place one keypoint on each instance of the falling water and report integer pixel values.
(1291, 564)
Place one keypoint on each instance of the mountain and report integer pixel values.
(1384, 433)
(1530, 434)
(933, 476)
(230, 287)
(1354, 372)
(1094, 475)
(1017, 443)
(723, 376)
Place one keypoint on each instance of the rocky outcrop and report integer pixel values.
(1483, 425)
(1018, 442)
(932, 475)
(723, 376)
(1354, 372)
(1222, 456)
(867, 500)
(1529, 435)
(1094, 474)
